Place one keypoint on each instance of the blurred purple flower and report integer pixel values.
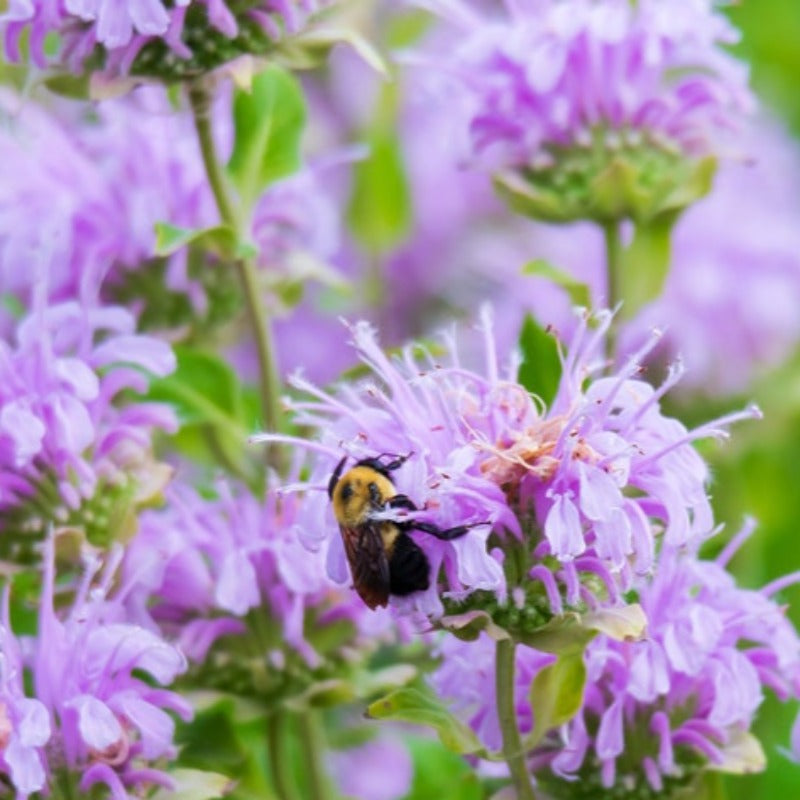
(110, 724)
(592, 481)
(729, 303)
(24, 722)
(200, 566)
(81, 197)
(191, 33)
(381, 769)
(61, 434)
(548, 75)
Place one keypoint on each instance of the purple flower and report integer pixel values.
(24, 722)
(600, 110)
(381, 769)
(593, 482)
(734, 284)
(110, 724)
(687, 693)
(62, 435)
(174, 40)
(92, 192)
(199, 567)
(465, 678)
(548, 75)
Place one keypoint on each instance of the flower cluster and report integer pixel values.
(202, 569)
(169, 40)
(658, 711)
(589, 96)
(66, 448)
(81, 198)
(24, 721)
(98, 705)
(587, 486)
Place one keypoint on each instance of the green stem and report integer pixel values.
(269, 384)
(311, 740)
(506, 711)
(280, 764)
(613, 244)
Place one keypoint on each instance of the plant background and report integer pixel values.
(757, 472)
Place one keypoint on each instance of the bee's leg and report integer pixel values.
(376, 463)
(337, 473)
(401, 501)
(397, 462)
(445, 534)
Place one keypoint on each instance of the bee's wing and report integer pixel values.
(368, 563)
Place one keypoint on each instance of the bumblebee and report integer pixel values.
(383, 558)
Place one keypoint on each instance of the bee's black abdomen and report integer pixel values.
(409, 570)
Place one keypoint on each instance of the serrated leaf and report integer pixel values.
(411, 705)
(268, 126)
(540, 368)
(579, 293)
(556, 695)
(195, 784)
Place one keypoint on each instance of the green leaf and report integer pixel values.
(645, 262)
(208, 399)
(323, 38)
(75, 87)
(540, 370)
(220, 239)
(578, 291)
(708, 786)
(568, 634)
(556, 695)
(411, 705)
(268, 126)
(469, 626)
(616, 191)
(379, 211)
(195, 784)
(531, 201)
(440, 774)
(211, 739)
(697, 183)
